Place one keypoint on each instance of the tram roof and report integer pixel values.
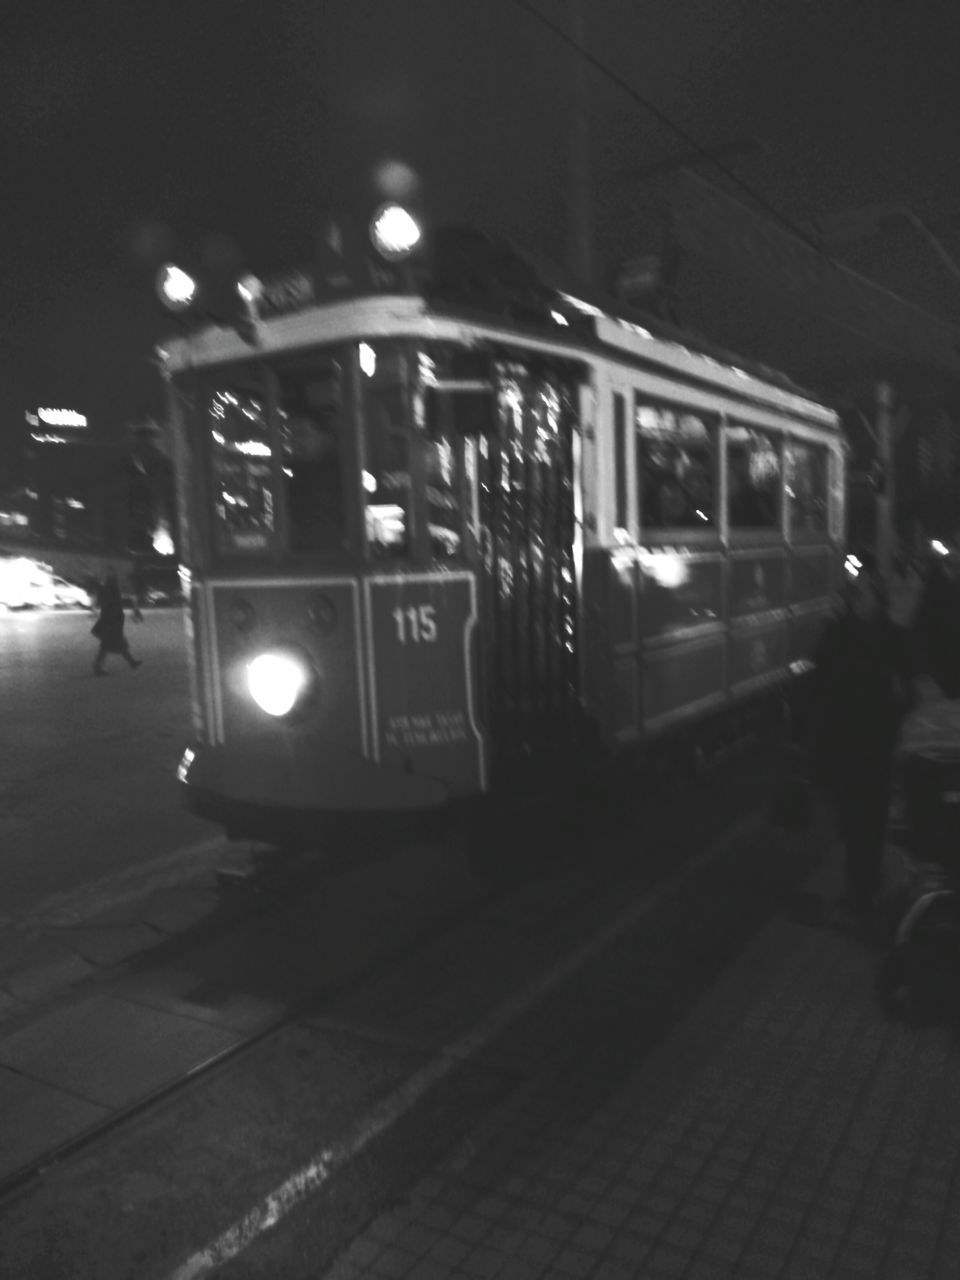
(588, 329)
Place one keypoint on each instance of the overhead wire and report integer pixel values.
(706, 154)
(692, 142)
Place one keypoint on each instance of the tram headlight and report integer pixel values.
(280, 681)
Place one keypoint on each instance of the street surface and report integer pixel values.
(390, 975)
(87, 765)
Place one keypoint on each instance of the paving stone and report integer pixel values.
(35, 1118)
(108, 1051)
(53, 976)
(105, 947)
(794, 1149)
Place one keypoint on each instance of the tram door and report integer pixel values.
(526, 524)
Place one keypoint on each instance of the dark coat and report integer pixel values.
(108, 628)
(860, 694)
(937, 632)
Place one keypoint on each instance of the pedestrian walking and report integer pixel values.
(861, 691)
(108, 628)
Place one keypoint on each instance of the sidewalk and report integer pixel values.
(123, 1006)
(783, 1129)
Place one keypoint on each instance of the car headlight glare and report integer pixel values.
(278, 682)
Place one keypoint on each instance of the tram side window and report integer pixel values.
(309, 419)
(444, 450)
(676, 466)
(387, 478)
(444, 521)
(241, 458)
(753, 479)
(806, 487)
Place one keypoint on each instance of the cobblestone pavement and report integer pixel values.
(783, 1128)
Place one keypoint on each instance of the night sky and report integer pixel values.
(221, 131)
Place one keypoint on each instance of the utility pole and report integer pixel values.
(579, 203)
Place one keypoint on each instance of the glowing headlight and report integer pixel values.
(278, 681)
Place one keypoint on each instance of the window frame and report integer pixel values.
(753, 535)
(270, 368)
(808, 537)
(419, 552)
(710, 535)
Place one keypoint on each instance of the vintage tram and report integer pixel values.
(444, 537)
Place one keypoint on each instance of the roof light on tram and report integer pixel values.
(278, 681)
(250, 290)
(177, 290)
(395, 232)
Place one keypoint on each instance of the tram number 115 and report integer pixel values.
(416, 624)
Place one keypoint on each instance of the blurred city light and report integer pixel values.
(250, 290)
(368, 359)
(396, 179)
(177, 289)
(395, 232)
(162, 542)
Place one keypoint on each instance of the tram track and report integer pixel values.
(290, 1017)
(504, 906)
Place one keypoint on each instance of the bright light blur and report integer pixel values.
(853, 566)
(26, 583)
(937, 546)
(162, 542)
(667, 568)
(177, 290)
(250, 290)
(277, 681)
(396, 179)
(186, 760)
(368, 359)
(395, 233)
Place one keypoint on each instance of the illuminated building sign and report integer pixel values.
(56, 418)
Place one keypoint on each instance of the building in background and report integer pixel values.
(81, 493)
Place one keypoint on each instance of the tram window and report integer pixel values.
(676, 466)
(806, 487)
(444, 521)
(387, 478)
(242, 468)
(753, 479)
(309, 416)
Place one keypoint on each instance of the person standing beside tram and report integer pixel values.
(936, 624)
(861, 693)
